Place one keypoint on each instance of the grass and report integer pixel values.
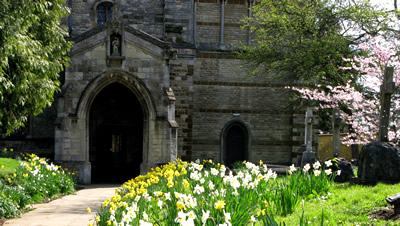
(347, 205)
(10, 165)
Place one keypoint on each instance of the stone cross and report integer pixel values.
(336, 132)
(308, 130)
(308, 156)
(387, 89)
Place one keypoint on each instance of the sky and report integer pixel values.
(386, 3)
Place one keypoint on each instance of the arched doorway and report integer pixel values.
(235, 143)
(115, 135)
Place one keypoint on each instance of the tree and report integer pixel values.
(361, 107)
(32, 54)
(306, 40)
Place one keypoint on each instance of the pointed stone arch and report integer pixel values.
(235, 142)
(137, 87)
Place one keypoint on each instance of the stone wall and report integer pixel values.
(208, 21)
(181, 81)
(222, 93)
(235, 12)
(141, 14)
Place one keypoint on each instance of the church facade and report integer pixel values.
(152, 81)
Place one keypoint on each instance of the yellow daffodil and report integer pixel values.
(180, 205)
(186, 183)
(88, 210)
(219, 205)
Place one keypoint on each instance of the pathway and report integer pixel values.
(69, 210)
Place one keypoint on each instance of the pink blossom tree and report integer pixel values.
(364, 103)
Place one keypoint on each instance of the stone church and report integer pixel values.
(154, 80)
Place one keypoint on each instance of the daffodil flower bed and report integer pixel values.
(34, 180)
(182, 193)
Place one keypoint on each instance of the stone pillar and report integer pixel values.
(308, 156)
(222, 23)
(336, 132)
(387, 89)
(194, 21)
(173, 133)
(250, 4)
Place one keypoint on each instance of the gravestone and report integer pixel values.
(336, 132)
(395, 201)
(346, 171)
(308, 156)
(379, 161)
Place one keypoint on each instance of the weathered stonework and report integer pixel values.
(177, 61)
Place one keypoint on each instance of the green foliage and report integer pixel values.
(32, 54)
(32, 181)
(306, 40)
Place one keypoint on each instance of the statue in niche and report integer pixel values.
(115, 45)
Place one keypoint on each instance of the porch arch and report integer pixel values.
(137, 87)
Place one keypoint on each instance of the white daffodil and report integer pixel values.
(328, 163)
(144, 223)
(167, 196)
(316, 165)
(214, 172)
(198, 189)
(328, 172)
(205, 216)
(145, 216)
(160, 203)
(306, 168)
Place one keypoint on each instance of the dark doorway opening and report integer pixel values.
(236, 144)
(115, 135)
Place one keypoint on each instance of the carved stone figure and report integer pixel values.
(115, 44)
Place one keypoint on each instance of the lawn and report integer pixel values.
(7, 167)
(182, 193)
(346, 204)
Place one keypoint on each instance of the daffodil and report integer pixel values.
(219, 205)
(328, 163)
(180, 205)
(205, 216)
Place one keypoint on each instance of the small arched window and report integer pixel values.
(104, 12)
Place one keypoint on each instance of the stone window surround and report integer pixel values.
(97, 4)
(228, 125)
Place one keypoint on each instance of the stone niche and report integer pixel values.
(115, 53)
